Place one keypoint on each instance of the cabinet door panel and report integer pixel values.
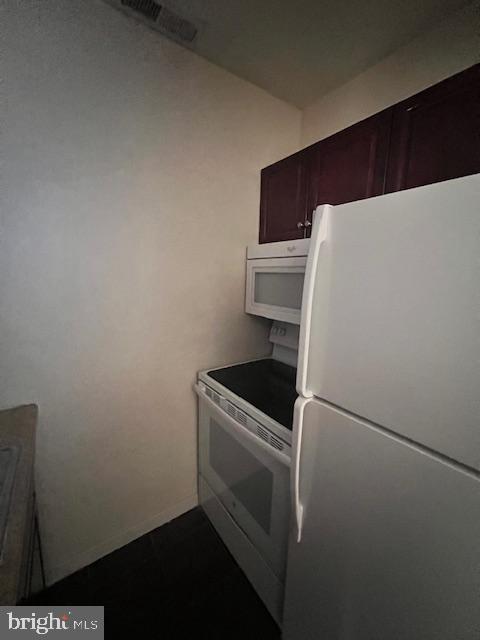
(350, 165)
(436, 134)
(283, 200)
(433, 136)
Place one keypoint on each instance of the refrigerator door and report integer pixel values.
(391, 314)
(390, 543)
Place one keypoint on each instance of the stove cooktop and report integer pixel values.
(267, 384)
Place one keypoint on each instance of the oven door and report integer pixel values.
(274, 288)
(249, 477)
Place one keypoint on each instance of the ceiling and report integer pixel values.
(299, 50)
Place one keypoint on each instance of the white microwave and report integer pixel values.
(275, 275)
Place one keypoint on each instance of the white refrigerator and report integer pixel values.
(385, 540)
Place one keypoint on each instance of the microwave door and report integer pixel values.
(274, 288)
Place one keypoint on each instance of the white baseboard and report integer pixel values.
(65, 568)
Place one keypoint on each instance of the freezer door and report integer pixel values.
(391, 314)
(390, 543)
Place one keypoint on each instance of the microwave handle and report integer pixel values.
(319, 236)
(245, 433)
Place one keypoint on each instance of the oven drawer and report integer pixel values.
(264, 581)
(249, 476)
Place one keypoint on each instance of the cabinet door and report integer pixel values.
(436, 134)
(283, 200)
(350, 165)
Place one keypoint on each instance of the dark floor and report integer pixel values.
(178, 581)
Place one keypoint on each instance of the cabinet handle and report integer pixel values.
(308, 223)
(300, 225)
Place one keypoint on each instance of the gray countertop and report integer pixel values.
(17, 428)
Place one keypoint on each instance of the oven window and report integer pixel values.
(245, 476)
(279, 289)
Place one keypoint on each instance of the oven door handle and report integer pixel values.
(242, 431)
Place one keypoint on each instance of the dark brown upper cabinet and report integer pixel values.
(436, 133)
(432, 136)
(349, 165)
(283, 199)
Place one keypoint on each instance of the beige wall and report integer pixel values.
(130, 188)
(450, 47)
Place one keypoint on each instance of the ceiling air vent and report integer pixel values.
(147, 8)
(161, 18)
(177, 26)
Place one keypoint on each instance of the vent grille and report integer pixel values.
(261, 433)
(272, 441)
(236, 414)
(276, 444)
(147, 8)
(163, 19)
(242, 418)
(239, 416)
(177, 26)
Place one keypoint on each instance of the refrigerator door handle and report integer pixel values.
(296, 462)
(319, 236)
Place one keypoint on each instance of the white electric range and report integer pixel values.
(245, 423)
